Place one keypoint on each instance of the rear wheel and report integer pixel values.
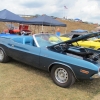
(62, 76)
(3, 56)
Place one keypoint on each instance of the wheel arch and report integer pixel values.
(1, 47)
(6, 57)
(4, 48)
(57, 63)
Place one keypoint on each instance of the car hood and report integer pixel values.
(83, 37)
(96, 40)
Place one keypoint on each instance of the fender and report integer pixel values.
(58, 63)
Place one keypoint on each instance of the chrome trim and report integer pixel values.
(35, 41)
(64, 65)
(61, 75)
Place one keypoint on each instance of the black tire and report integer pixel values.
(73, 80)
(62, 76)
(3, 56)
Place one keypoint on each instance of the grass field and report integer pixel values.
(19, 81)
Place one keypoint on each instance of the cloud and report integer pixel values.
(33, 4)
(84, 10)
(87, 10)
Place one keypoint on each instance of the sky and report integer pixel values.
(86, 10)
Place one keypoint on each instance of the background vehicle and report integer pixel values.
(88, 43)
(17, 30)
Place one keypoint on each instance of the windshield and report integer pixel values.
(44, 40)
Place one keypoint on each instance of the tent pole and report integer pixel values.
(38, 28)
(65, 29)
(34, 29)
(42, 28)
(31, 28)
(55, 29)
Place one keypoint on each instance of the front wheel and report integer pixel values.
(3, 56)
(62, 76)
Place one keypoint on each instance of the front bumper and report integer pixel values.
(96, 75)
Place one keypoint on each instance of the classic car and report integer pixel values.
(65, 62)
(93, 42)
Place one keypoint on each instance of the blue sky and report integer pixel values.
(87, 10)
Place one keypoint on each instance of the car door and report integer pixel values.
(25, 53)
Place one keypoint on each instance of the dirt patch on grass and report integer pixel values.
(97, 97)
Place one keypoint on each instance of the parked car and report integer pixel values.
(65, 62)
(93, 42)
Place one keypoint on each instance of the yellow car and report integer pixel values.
(93, 43)
(64, 38)
(55, 39)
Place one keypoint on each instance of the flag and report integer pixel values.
(65, 7)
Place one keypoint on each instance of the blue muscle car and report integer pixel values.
(65, 62)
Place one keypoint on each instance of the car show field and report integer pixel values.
(50, 50)
(65, 62)
(20, 81)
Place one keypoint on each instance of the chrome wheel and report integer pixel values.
(61, 75)
(1, 55)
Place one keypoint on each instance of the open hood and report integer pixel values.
(83, 37)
